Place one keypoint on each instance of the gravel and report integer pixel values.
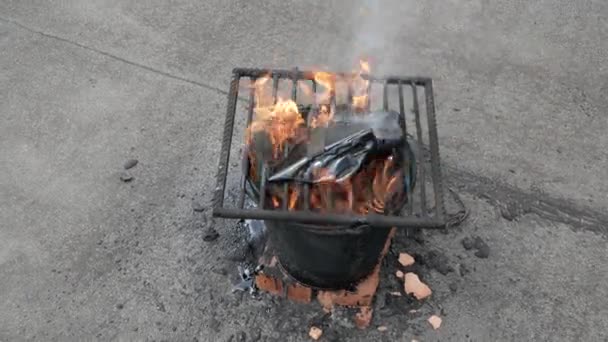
(210, 235)
(197, 206)
(468, 243)
(126, 177)
(130, 163)
(483, 250)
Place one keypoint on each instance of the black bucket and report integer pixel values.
(326, 256)
(330, 257)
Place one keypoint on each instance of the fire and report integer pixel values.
(360, 87)
(328, 81)
(279, 120)
(284, 126)
(324, 118)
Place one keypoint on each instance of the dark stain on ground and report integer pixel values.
(514, 202)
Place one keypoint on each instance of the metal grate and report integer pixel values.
(425, 208)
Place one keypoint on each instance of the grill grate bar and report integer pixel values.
(419, 152)
(262, 186)
(410, 198)
(374, 220)
(385, 96)
(369, 94)
(310, 75)
(349, 97)
(222, 172)
(434, 146)
(433, 218)
(246, 155)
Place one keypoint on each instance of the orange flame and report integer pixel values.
(280, 120)
(328, 82)
(360, 87)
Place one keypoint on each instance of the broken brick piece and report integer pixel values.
(362, 296)
(269, 284)
(315, 333)
(299, 293)
(363, 317)
(406, 259)
(435, 321)
(364, 292)
(413, 285)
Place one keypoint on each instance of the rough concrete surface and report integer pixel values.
(87, 85)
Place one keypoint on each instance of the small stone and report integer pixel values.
(483, 250)
(130, 163)
(210, 235)
(463, 270)
(331, 335)
(197, 206)
(382, 328)
(126, 177)
(439, 262)
(221, 271)
(509, 212)
(467, 243)
(453, 287)
(255, 334)
(214, 324)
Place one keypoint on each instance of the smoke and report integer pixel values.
(376, 27)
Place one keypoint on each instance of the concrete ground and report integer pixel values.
(85, 85)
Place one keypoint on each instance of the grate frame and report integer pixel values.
(428, 218)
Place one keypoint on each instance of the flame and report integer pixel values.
(328, 82)
(293, 199)
(360, 87)
(280, 120)
(370, 190)
(323, 118)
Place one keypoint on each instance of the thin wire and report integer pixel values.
(461, 215)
